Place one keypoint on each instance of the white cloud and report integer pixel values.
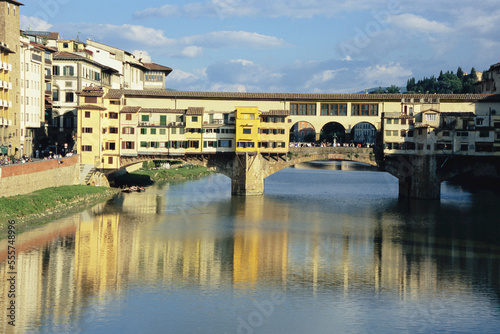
(418, 24)
(163, 11)
(192, 51)
(234, 39)
(384, 75)
(33, 23)
(263, 8)
(144, 55)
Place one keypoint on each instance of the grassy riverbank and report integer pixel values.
(145, 177)
(45, 204)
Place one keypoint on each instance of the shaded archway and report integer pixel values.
(333, 132)
(302, 131)
(364, 133)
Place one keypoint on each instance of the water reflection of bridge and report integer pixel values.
(111, 250)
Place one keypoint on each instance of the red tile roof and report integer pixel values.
(195, 111)
(15, 2)
(157, 67)
(90, 107)
(305, 96)
(276, 113)
(130, 109)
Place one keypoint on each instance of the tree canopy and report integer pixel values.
(446, 83)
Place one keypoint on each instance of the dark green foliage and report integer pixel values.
(446, 83)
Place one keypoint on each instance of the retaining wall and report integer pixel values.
(25, 178)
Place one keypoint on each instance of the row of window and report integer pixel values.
(112, 115)
(396, 121)
(479, 147)
(243, 144)
(130, 145)
(70, 97)
(334, 109)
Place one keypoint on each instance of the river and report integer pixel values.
(329, 248)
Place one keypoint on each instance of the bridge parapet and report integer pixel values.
(364, 155)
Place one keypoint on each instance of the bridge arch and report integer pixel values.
(333, 132)
(364, 133)
(303, 131)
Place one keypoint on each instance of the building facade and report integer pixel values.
(10, 119)
(133, 123)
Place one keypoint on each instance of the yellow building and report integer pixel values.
(247, 129)
(5, 102)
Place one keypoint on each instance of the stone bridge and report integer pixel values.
(249, 170)
(419, 176)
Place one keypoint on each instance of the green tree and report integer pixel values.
(393, 90)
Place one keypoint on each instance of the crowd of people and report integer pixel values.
(37, 156)
(325, 144)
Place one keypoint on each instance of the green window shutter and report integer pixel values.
(163, 120)
(205, 144)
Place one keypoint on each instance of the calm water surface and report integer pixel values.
(329, 248)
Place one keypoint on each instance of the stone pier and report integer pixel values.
(419, 178)
(248, 175)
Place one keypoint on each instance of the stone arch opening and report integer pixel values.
(333, 132)
(302, 131)
(364, 133)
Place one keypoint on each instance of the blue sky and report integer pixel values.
(297, 46)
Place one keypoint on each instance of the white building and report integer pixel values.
(32, 99)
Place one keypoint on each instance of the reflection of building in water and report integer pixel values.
(336, 165)
(259, 253)
(268, 242)
(44, 277)
(148, 202)
(97, 244)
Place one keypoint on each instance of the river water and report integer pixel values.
(329, 248)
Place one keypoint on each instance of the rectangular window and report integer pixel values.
(70, 97)
(225, 143)
(86, 148)
(113, 130)
(113, 115)
(145, 118)
(163, 131)
(55, 70)
(128, 131)
(87, 130)
(333, 109)
(144, 144)
(153, 131)
(174, 131)
(110, 160)
(110, 146)
(163, 120)
(68, 71)
(247, 131)
(128, 117)
(388, 132)
(364, 109)
(431, 117)
(144, 131)
(194, 118)
(388, 121)
(90, 99)
(303, 109)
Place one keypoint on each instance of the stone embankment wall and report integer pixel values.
(21, 179)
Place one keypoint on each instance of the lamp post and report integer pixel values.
(56, 147)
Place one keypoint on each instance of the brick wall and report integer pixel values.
(25, 178)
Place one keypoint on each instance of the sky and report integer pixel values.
(296, 46)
